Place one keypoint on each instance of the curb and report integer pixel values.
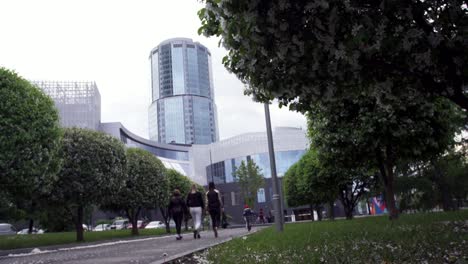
(174, 257)
(71, 246)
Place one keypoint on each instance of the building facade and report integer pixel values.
(218, 161)
(173, 156)
(78, 102)
(182, 108)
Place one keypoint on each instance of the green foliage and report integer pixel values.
(363, 133)
(427, 237)
(250, 178)
(93, 171)
(415, 193)
(306, 183)
(55, 219)
(182, 182)
(146, 185)
(290, 184)
(371, 73)
(29, 141)
(305, 52)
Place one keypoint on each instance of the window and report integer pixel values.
(235, 198)
(261, 195)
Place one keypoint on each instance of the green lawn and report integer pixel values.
(29, 241)
(415, 238)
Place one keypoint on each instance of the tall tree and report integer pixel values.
(146, 186)
(369, 134)
(250, 179)
(305, 52)
(93, 171)
(29, 142)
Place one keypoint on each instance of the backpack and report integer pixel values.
(177, 205)
(213, 199)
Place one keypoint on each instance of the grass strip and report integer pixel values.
(414, 238)
(48, 239)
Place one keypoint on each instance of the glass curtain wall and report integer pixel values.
(174, 119)
(284, 160)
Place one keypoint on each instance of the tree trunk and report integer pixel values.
(133, 217)
(368, 206)
(348, 208)
(348, 212)
(447, 203)
(166, 218)
(386, 173)
(31, 220)
(391, 205)
(311, 206)
(79, 224)
(346, 201)
(31, 225)
(318, 208)
(331, 213)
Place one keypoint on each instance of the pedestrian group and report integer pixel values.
(195, 205)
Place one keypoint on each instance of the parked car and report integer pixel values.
(155, 224)
(140, 224)
(101, 227)
(34, 231)
(85, 227)
(7, 229)
(119, 224)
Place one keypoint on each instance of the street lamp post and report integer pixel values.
(211, 168)
(276, 196)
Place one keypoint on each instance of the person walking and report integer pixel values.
(196, 206)
(247, 214)
(261, 217)
(177, 209)
(214, 206)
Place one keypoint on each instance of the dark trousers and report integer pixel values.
(178, 217)
(215, 215)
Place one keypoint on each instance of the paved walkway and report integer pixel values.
(146, 250)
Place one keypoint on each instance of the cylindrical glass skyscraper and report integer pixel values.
(182, 108)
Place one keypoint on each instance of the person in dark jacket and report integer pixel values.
(177, 208)
(196, 206)
(214, 206)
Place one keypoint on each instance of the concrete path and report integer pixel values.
(146, 250)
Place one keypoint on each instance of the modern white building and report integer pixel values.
(217, 161)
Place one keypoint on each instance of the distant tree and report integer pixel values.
(93, 172)
(290, 185)
(303, 185)
(415, 191)
(146, 186)
(29, 143)
(250, 178)
(304, 52)
(450, 175)
(353, 185)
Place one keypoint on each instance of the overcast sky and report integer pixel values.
(109, 42)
